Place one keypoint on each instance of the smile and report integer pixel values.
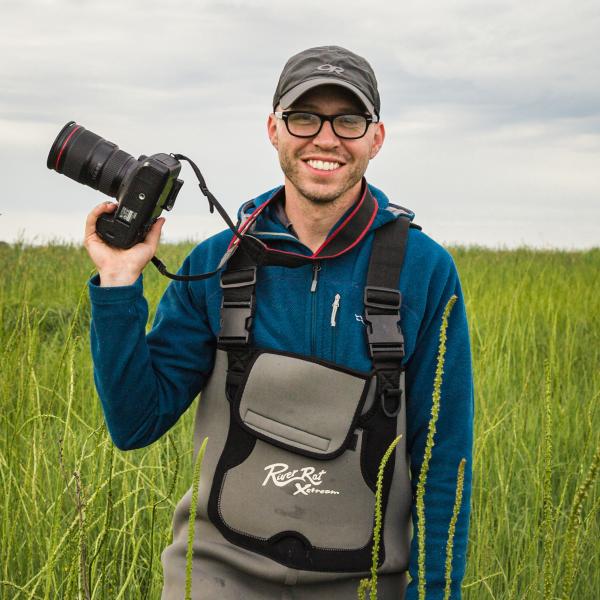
(321, 165)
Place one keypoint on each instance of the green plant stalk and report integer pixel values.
(363, 586)
(192, 520)
(548, 506)
(70, 584)
(146, 584)
(378, 519)
(82, 294)
(435, 411)
(130, 572)
(82, 548)
(574, 525)
(107, 511)
(460, 483)
(55, 524)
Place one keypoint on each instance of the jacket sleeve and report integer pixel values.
(454, 434)
(146, 382)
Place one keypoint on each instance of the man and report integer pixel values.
(285, 356)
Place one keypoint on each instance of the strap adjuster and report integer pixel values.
(382, 298)
(238, 278)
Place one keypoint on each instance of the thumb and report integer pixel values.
(154, 234)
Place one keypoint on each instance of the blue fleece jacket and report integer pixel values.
(146, 382)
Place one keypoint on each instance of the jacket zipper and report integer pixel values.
(334, 309)
(313, 313)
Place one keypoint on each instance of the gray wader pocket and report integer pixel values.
(296, 480)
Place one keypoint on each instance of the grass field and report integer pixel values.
(77, 513)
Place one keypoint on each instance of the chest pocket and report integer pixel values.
(296, 480)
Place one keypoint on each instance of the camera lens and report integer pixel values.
(89, 159)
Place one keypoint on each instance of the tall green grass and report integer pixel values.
(78, 515)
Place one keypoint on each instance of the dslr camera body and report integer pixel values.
(143, 187)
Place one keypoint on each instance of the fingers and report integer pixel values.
(152, 238)
(90, 223)
(154, 234)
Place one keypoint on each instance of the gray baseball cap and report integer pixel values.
(327, 65)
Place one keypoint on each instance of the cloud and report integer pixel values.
(505, 92)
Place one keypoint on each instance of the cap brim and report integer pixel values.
(292, 95)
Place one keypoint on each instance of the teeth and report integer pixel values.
(323, 165)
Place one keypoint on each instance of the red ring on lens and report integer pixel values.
(64, 146)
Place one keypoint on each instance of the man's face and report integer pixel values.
(351, 157)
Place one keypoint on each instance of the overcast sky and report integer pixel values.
(492, 109)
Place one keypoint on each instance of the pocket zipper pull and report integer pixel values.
(334, 309)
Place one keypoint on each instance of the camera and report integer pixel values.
(143, 187)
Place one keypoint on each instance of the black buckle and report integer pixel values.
(236, 314)
(236, 320)
(386, 341)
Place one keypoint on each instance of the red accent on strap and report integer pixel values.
(285, 251)
(342, 225)
(235, 240)
(64, 146)
(362, 235)
(248, 222)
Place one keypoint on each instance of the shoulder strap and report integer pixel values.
(382, 300)
(238, 281)
(387, 254)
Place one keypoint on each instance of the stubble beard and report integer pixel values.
(290, 165)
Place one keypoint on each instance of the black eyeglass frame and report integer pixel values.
(285, 114)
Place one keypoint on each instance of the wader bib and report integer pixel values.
(287, 492)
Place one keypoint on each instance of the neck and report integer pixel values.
(313, 220)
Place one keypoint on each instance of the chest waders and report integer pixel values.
(287, 493)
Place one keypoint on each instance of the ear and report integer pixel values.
(378, 138)
(272, 130)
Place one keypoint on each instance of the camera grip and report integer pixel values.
(116, 233)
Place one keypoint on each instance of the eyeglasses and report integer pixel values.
(306, 124)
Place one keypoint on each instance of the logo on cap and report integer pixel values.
(331, 69)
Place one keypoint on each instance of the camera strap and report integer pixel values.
(212, 204)
(345, 237)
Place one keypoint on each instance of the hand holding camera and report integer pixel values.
(122, 238)
(118, 266)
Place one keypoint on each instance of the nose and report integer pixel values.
(326, 138)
